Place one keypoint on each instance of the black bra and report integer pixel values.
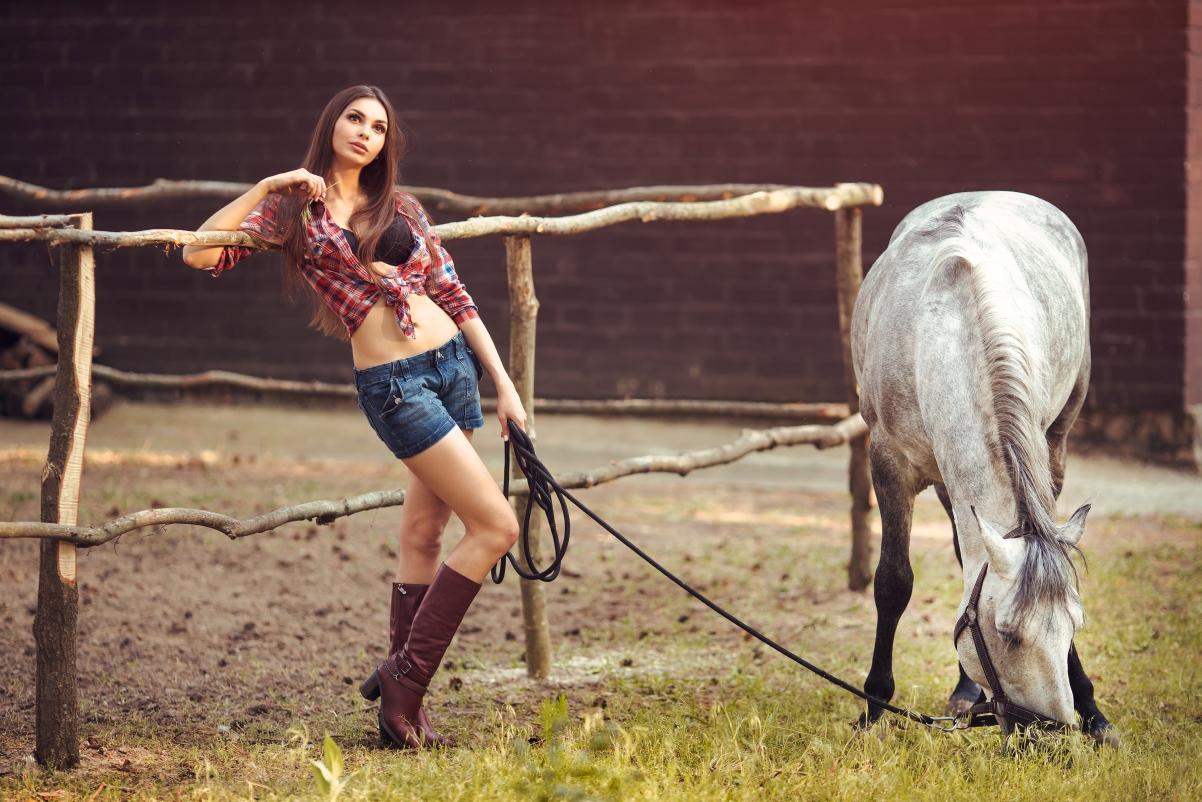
(394, 248)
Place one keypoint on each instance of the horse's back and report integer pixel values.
(956, 266)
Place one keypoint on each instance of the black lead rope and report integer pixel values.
(544, 491)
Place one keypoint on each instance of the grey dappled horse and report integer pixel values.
(971, 346)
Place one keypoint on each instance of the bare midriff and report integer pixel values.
(379, 339)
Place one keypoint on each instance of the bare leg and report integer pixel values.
(452, 471)
(424, 518)
(894, 578)
(967, 692)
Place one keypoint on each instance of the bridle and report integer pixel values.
(999, 708)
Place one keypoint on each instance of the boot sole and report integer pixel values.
(369, 689)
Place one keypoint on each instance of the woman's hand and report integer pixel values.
(299, 182)
(509, 408)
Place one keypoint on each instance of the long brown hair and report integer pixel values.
(372, 218)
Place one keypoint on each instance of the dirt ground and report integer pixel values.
(182, 631)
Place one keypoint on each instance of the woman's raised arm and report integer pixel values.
(228, 217)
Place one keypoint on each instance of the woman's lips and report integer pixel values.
(360, 147)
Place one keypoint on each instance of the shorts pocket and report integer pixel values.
(385, 397)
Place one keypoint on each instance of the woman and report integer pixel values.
(381, 278)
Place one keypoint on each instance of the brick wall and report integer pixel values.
(1193, 261)
(1082, 103)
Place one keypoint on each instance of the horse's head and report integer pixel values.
(1028, 612)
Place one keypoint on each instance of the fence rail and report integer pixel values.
(55, 629)
(441, 200)
(774, 202)
(562, 406)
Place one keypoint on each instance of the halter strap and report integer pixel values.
(999, 707)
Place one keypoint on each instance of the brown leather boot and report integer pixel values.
(406, 598)
(405, 675)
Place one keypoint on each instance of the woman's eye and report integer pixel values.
(353, 118)
(379, 129)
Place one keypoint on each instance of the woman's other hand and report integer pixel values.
(299, 182)
(509, 408)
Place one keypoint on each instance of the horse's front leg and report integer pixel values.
(894, 483)
(1093, 723)
(967, 692)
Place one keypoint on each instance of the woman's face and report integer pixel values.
(360, 132)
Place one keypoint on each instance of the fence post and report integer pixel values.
(849, 274)
(55, 625)
(523, 317)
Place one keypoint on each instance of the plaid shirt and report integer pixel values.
(344, 283)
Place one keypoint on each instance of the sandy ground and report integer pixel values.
(567, 443)
(185, 630)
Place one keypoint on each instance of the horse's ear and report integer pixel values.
(1001, 559)
(1071, 532)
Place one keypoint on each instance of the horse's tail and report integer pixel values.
(1047, 570)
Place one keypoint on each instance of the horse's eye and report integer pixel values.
(1010, 638)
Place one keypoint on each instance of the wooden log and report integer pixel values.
(440, 200)
(129, 239)
(321, 512)
(849, 275)
(33, 327)
(554, 406)
(682, 407)
(324, 512)
(34, 399)
(523, 320)
(194, 380)
(55, 624)
(35, 221)
(778, 200)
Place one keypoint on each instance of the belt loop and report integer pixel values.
(402, 367)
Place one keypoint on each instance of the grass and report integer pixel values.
(755, 729)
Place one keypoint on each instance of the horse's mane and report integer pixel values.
(1047, 574)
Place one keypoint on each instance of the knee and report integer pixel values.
(507, 529)
(499, 530)
(424, 534)
(426, 547)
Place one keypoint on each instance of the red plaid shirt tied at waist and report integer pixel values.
(344, 282)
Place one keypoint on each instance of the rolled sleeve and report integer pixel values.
(260, 224)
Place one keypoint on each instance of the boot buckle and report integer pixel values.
(395, 660)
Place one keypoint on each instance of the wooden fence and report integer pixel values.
(60, 532)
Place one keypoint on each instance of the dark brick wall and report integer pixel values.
(1193, 257)
(1082, 103)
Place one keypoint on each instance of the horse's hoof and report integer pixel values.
(958, 707)
(1106, 736)
(864, 723)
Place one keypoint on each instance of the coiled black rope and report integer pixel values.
(542, 488)
(544, 491)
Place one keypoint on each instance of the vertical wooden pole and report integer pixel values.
(523, 317)
(849, 274)
(54, 626)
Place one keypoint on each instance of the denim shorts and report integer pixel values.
(415, 402)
